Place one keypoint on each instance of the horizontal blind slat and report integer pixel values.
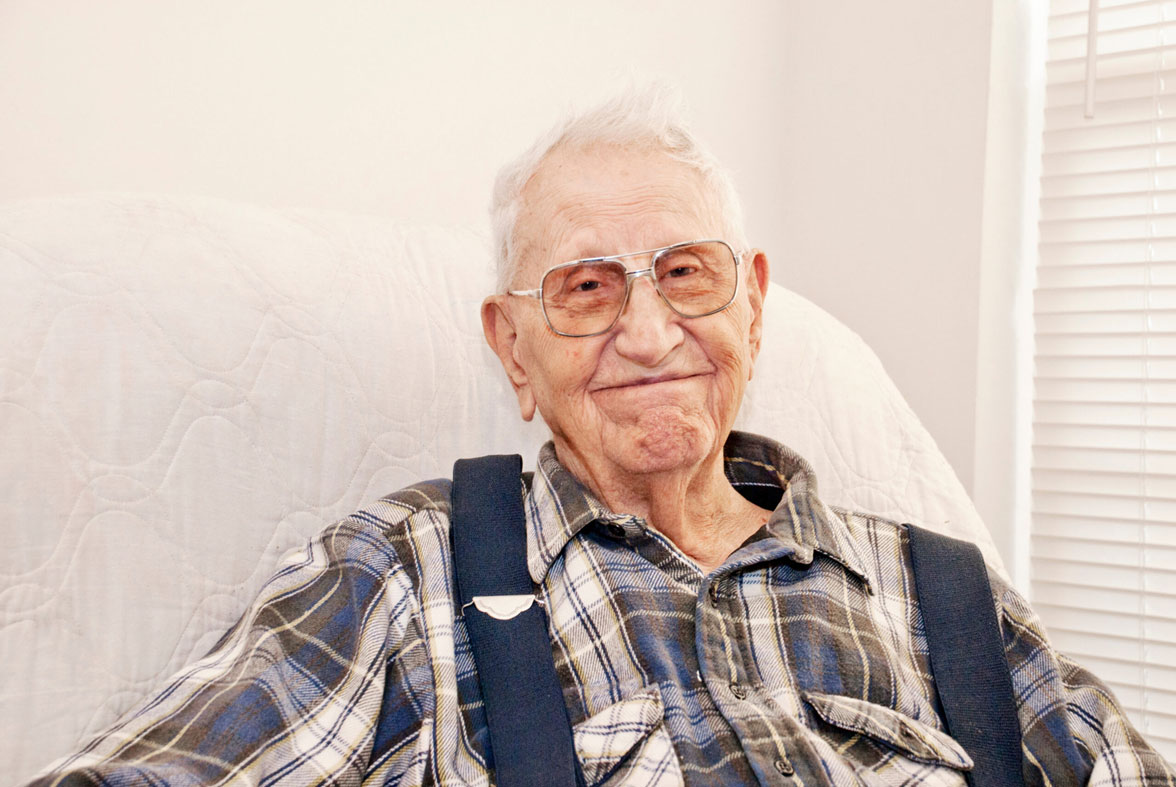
(1115, 181)
(1095, 574)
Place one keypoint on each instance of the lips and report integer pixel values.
(642, 382)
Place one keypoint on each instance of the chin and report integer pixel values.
(659, 444)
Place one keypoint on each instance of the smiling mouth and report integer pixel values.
(647, 381)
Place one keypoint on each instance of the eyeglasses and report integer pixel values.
(586, 297)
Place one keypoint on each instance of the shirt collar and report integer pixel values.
(558, 506)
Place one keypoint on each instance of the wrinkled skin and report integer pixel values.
(640, 413)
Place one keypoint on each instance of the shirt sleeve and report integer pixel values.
(292, 692)
(1073, 729)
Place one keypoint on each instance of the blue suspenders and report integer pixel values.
(530, 734)
(967, 655)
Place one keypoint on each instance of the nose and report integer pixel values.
(648, 330)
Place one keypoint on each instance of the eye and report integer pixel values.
(679, 271)
(679, 264)
(594, 279)
(587, 286)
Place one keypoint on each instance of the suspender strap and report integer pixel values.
(967, 655)
(530, 734)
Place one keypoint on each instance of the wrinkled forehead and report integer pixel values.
(586, 202)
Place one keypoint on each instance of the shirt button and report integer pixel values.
(784, 767)
(615, 530)
(739, 690)
(713, 592)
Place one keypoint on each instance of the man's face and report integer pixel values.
(657, 392)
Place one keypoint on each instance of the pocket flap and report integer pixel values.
(603, 741)
(913, 738)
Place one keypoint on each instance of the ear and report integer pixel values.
(499, 330)
(757, 280)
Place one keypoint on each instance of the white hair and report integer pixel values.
(641, 118)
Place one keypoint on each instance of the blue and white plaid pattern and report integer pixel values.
(800, 660)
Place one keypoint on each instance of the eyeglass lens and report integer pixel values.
(587, 297)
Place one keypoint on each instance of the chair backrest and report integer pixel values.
(188, 388)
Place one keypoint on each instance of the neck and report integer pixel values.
(695, 507)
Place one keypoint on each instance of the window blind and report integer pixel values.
(1103, 532)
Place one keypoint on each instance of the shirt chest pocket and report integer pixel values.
(627, 743)
(882, 740)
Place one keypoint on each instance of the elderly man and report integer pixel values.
(709, 619)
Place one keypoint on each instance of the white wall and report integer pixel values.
(882, 161)
(856, 129)
(387, 107)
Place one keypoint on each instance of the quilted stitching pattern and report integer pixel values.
(189, 388)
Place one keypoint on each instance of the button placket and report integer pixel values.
(732, 683)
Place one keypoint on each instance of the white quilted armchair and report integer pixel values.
(190, 388)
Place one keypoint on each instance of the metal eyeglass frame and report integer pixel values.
(630, 276)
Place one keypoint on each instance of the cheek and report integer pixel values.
(729, 347)
(562, 367)
(732, 358)
(733, 364)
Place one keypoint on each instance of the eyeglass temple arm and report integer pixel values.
(536, 293)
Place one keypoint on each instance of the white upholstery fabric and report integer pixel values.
(188, 388)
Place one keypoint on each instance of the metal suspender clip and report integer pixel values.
(502, 607)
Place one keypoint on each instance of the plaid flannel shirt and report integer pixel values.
(800, 660)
